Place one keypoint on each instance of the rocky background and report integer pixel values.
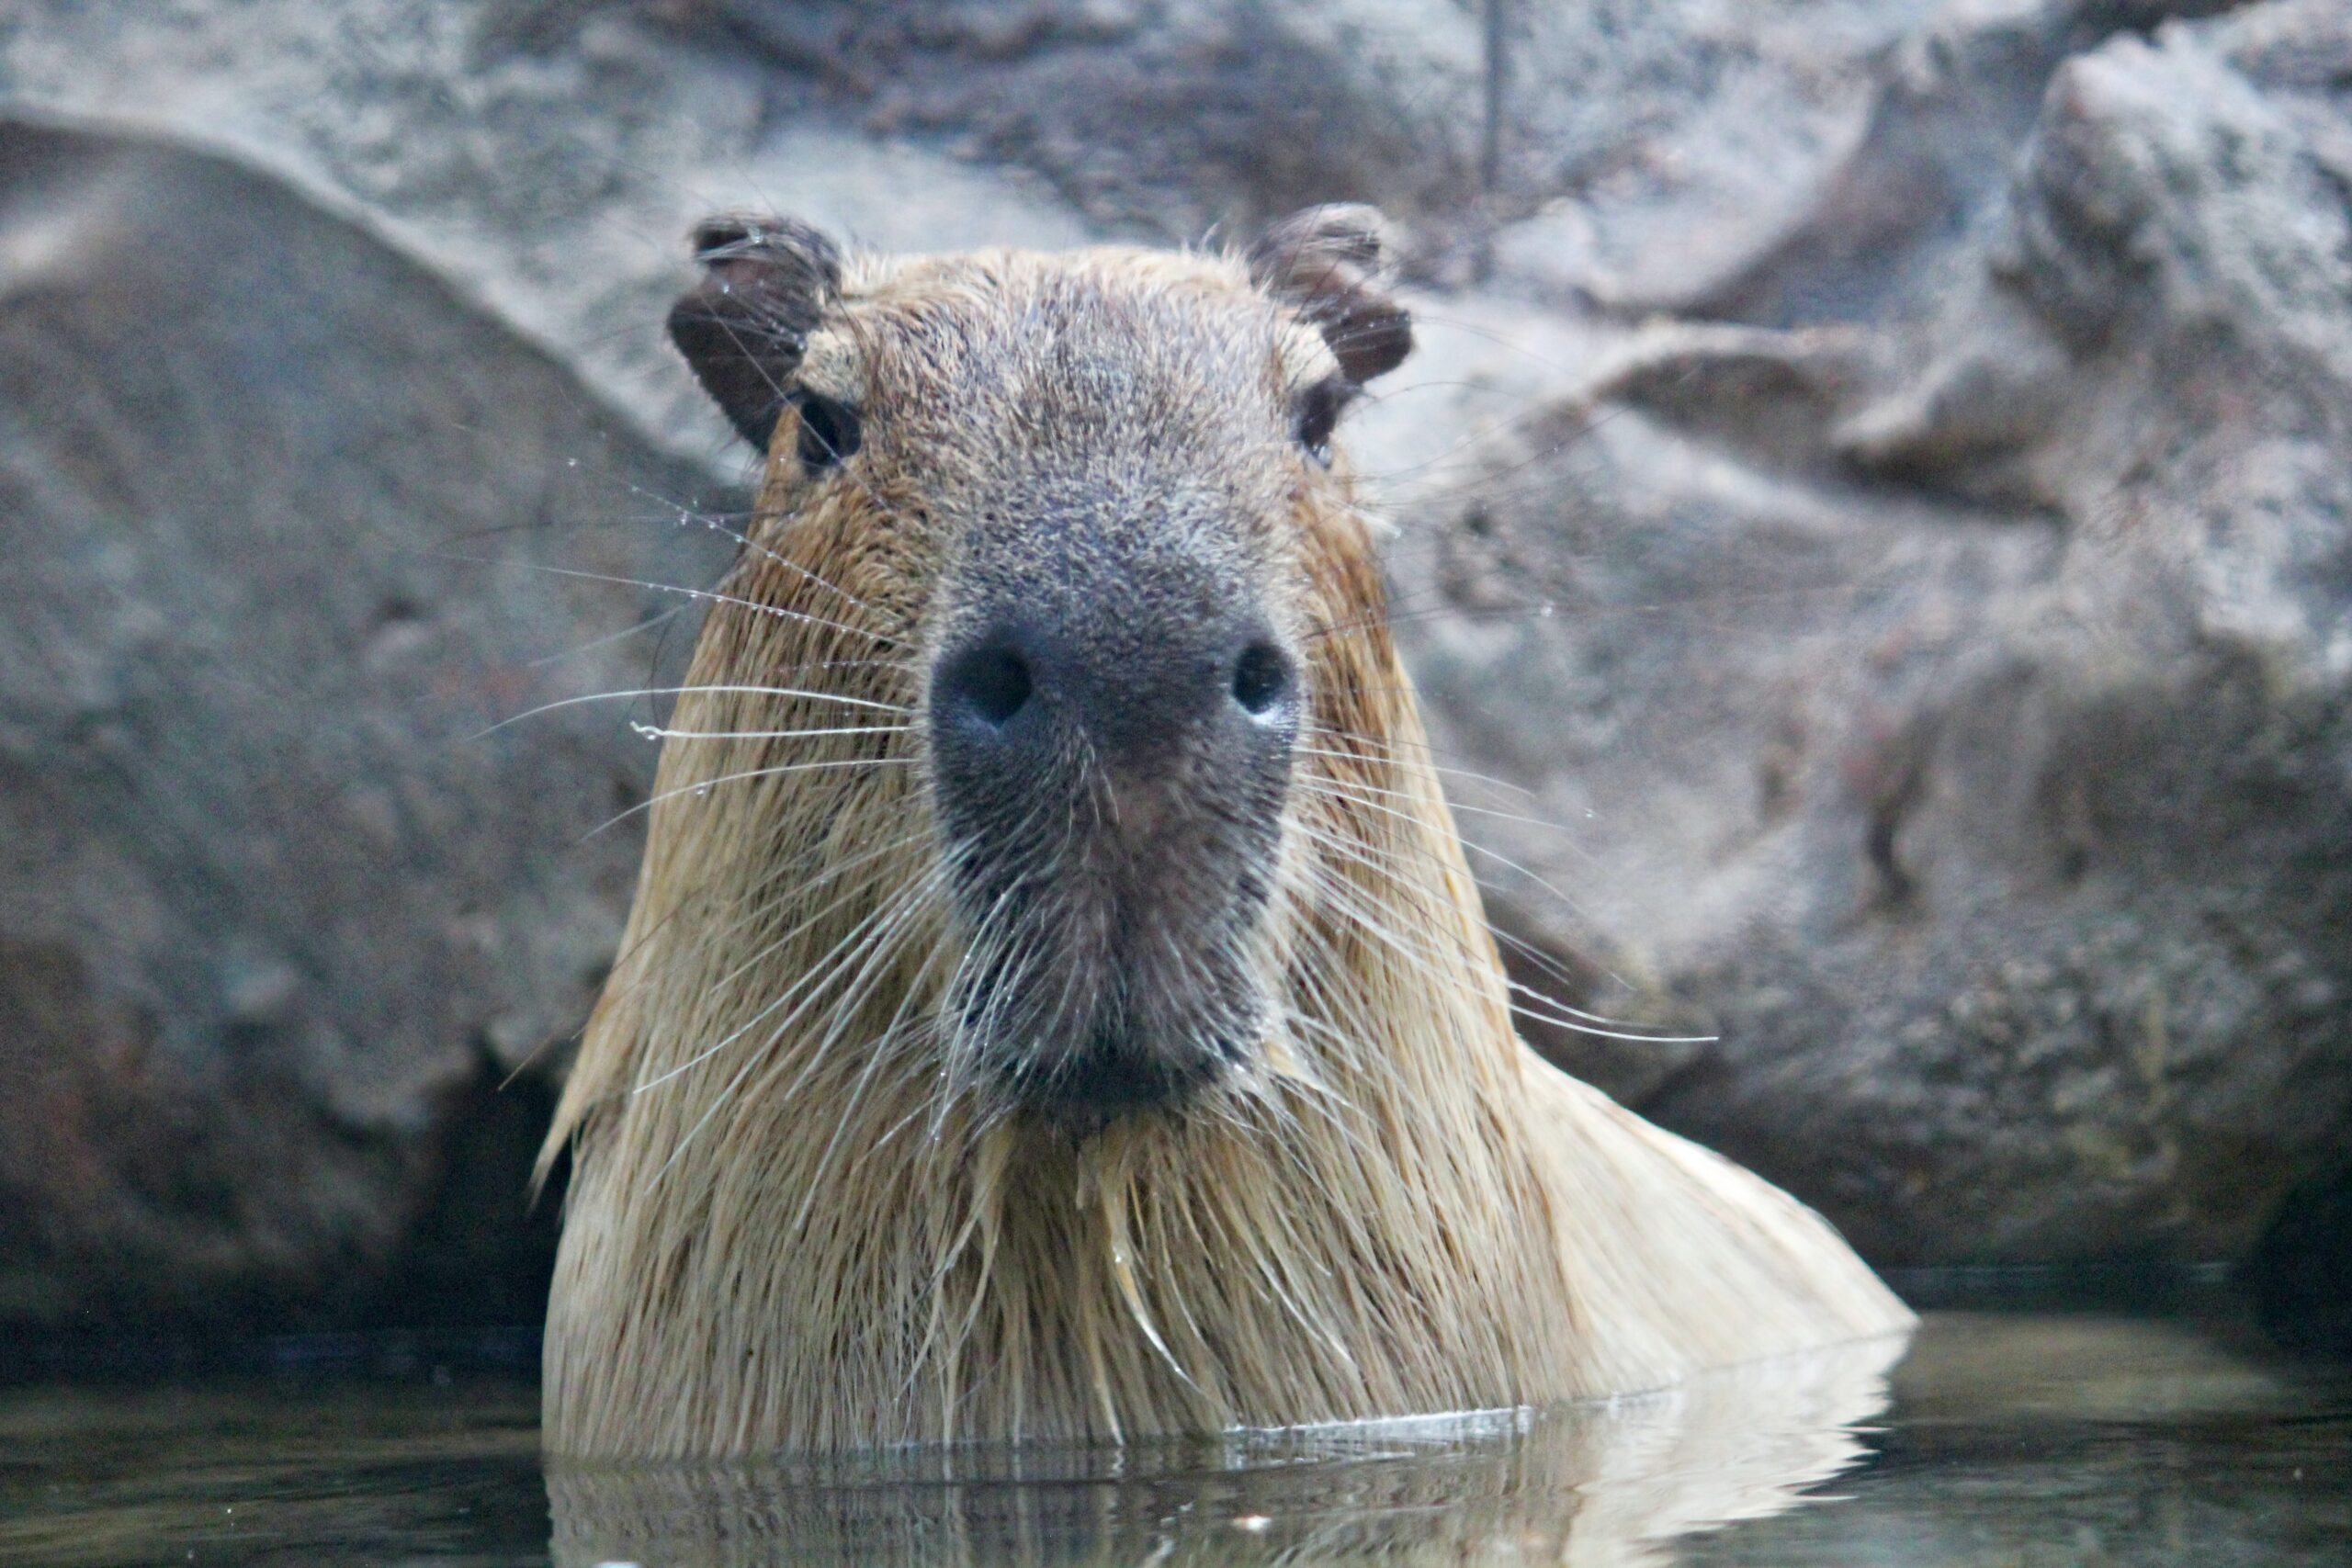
(1875, 534)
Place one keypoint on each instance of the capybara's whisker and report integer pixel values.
(694, 690)
(1419, 751)
(1353, 787)
(657, 732)
(701, 787)
(876, 1049)
(720, 1101)
(1538, 1005)
(753, 909)
(717, 523)
(637, 629)
(700, 595)
(808, 979)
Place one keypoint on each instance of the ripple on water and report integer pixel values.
(2009, 1439)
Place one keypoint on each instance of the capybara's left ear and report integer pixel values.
(767, 283)
(1329, 264)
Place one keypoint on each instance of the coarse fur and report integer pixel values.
(805, 1214)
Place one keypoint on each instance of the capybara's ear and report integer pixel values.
(1327, 263)
(766, 285)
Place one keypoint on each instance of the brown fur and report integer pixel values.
(797, 1222)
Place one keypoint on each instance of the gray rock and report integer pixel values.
(543, 157)
(289, 527)
(1169, 117)
(1894, 215)
(1942, 690)
(1955, 719)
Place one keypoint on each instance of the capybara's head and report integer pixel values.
(1074, 528)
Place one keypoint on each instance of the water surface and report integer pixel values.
(2015, 1439)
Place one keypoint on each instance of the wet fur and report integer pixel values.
(800, 1218)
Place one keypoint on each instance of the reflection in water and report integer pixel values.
(2040, 1439)
(1591, 1485)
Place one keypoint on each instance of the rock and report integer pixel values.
(1581, 149)
(1923, 419)
(544, 155)
(545, 158)
(1650, 155)
(289, 527)
(1894, 215)
(1953, 716)
(1167, 118)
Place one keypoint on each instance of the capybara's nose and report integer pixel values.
(1028, 708)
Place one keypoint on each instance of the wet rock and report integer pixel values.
(1956, 721)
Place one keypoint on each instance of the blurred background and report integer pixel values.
(1873, 513)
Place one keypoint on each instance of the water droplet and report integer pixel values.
(1547, 612)
(701, 790)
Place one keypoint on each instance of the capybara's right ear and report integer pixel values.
(766, 282)
(1330, 264)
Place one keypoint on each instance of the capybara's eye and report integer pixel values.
(828, 430)
(1316, 411)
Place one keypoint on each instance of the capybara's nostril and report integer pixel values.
(1261, 680)
(991, 685)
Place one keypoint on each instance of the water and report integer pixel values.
(2014, 1439)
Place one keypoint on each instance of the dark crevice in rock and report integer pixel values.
(2301, 1273)
(482, 1250)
